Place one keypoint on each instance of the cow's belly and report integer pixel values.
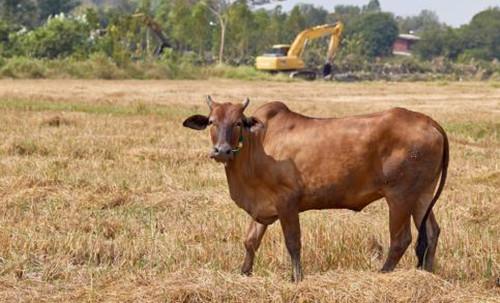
(332, 197)
(344, 182)
(348, 189)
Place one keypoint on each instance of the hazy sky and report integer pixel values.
(452, 12)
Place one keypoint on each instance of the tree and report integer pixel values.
(295, 23)
(482, 34)
(313, 15)
(121, 38)
(4, 36)
(276, 27)
(125, 6)
(240, 20)
(200, 31)
(424, 21)
(347, 10)
(372, 7)
(431, 44)
(347, 14)
(440, 41)
(480, 39)
(60, 37)
(219, 9)
(378, 31)
(49, 8)
(18, 13)
(179, 23)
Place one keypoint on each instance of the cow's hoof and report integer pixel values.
(385, 270)
(247, 273)
(297, 279)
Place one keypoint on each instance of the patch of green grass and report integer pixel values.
(442, 83)
(99, 66)
(138, 109)
(27, 148)
(492, 179)
(20, 67)
(243, 72)
(477, 131)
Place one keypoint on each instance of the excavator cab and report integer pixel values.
(278, 50)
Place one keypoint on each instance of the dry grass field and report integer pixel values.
(105, 197)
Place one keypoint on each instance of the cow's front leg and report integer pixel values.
(255, 233)
(289, 220)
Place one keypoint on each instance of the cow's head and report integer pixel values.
(228, 125)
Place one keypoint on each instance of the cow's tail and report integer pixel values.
(422, 242)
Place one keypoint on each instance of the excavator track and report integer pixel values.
(308, 75)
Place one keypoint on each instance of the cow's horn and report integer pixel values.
(246, 102)
(210, 102)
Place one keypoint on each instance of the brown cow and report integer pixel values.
(279, 163)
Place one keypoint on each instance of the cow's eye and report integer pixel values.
(238, 124)
(210, 122)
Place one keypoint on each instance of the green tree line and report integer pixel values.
(233, 32)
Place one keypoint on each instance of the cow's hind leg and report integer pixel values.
(432, 226)
(400, 230)
(254, 236)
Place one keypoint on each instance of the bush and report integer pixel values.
(472, 54)
(21, 67)
(411, 65)
(495, 77)
(103, 67)
(177, 66)
(98, 66)
(180, 66)
(59, 37)
(112, 46)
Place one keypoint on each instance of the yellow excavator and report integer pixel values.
(287, 58)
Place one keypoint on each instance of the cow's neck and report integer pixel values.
(243, 163)
(241, 171)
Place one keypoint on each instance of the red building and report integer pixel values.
(404, 44)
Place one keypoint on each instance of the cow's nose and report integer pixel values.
(223, 149)
(222, 152)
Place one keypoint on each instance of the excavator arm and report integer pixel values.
(334, 43)
(334, 30)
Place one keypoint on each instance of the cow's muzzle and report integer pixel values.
(222, 153)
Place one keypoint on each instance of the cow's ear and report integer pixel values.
(253, 124)
(197, 122)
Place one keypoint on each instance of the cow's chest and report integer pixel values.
(258, 200)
